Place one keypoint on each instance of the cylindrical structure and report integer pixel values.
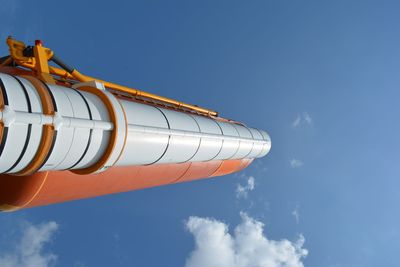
(51, 129)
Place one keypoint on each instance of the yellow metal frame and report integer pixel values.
(39, 65)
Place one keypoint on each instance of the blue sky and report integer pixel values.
(322, 77)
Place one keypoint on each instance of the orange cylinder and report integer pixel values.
(44, 188)
(66, 142)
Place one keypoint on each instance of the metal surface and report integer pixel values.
(39, 64)
(62, 140)
(115, 133)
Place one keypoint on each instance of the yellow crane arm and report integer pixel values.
(36, 58)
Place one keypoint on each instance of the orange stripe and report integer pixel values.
(48, 133)
(1, 109)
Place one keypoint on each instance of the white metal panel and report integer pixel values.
(264, 135)
(121, 128)
(267, 144)
(143, 148)
(180, 148)
(16, 133)
(209, 147)
(81, 136)
(36, 130)
(257, 146)
(155, 135)
(65, 135)
(144, 115)
(99, 141)
(245, 147)
(229, 146)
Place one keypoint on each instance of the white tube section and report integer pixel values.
(143, 134)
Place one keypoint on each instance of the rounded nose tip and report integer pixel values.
(269, 143)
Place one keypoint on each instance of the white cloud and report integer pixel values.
(302, 119)
(307, 118)
(29, 251)
(242, 191)
(246, 247)
(296, 163)
(296, 214)
(296, 121)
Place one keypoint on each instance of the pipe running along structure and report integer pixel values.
(67, 136)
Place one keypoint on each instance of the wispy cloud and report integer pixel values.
(296, 214)
(296, 163)
(307, 118)
(242, 191)
(302, 119)
(29, 250)
(296, 121)
(248, 246)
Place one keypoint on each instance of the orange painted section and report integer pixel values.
(15, 71)
(231, 166)
(59, 186)
(199, 170)
(18, 190)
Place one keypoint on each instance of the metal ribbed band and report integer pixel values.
(51, 96)
(55, 132)
(238, 147)
(29, 131)
(198, 147)
(4, 97)
(126, 131)
(252, 145)
(49, 134)
(90, 132)
(222, 143)
(3, 139)
(263, 145)
(101, 163)
(3, 129)
(169, 138)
